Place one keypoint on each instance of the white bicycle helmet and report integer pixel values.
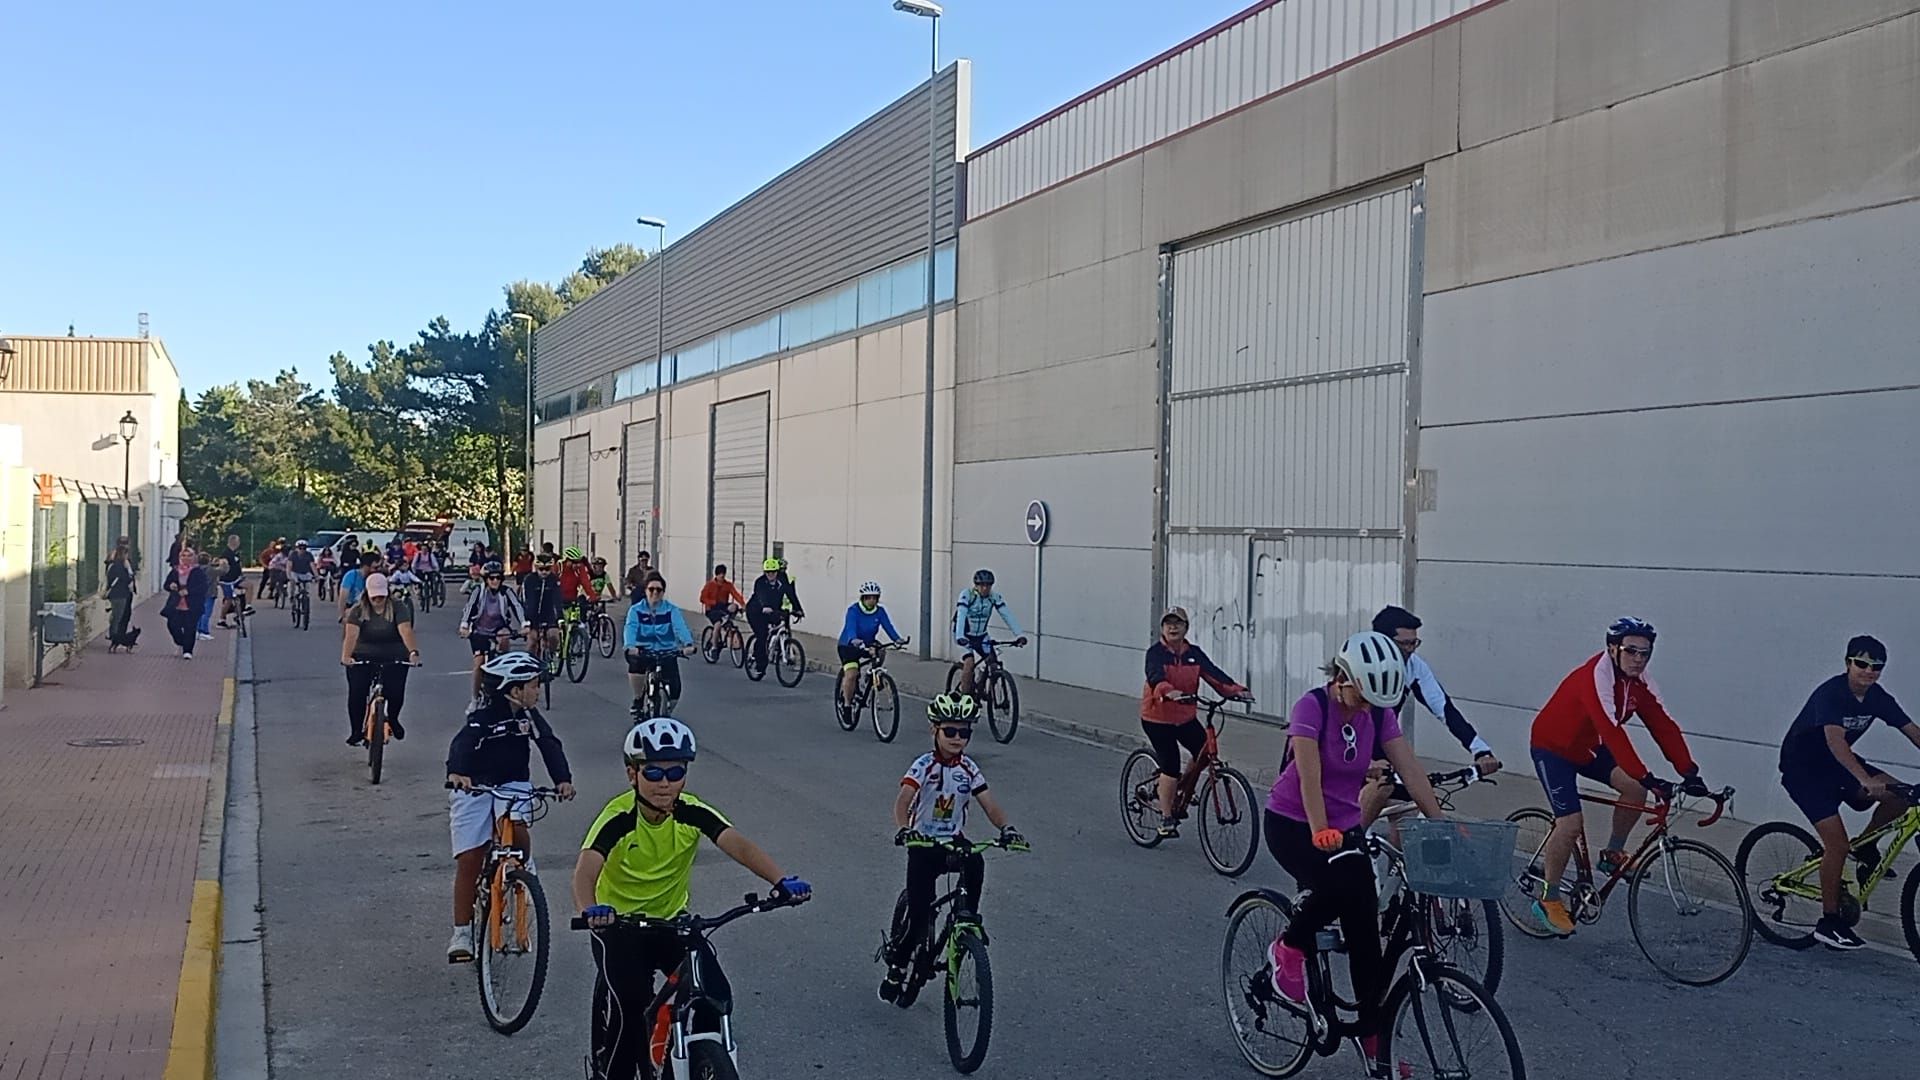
(510, 668)
(660, 739)
(870, 588)
(1375, 665)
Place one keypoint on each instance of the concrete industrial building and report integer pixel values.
(1526, 313)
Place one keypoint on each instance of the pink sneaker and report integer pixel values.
(1289, 970)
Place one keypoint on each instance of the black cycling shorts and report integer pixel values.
(1167, 739)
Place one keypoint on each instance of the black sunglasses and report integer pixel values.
(1865, 664)
(957, 732)
(657, 773)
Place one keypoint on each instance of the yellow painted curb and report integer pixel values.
(190, 1049)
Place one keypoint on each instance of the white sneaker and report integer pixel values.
(205, 637)
(460, 946)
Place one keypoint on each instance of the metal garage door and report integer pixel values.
(636, 491)
(574, 488)
(1287, 443)
(737, 497)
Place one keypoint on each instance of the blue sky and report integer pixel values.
(275, 182)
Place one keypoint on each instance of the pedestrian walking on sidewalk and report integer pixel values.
(186, 598)
(119, 598)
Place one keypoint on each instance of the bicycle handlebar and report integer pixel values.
(971, 847)
(700, 924)
(489, 789)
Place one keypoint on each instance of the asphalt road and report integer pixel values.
(1105, 955)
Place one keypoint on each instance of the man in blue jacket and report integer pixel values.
(865, 619)
(657, 636)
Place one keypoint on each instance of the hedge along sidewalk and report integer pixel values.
(103, 794)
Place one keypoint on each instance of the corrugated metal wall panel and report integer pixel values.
(59, 365)
(737, 521)
(636, 506)
(1257, 55)
(575, 490)
(858, 203)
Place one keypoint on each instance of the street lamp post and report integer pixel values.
(129, 428)
(659, 381)
(930, 11)
(526, 475)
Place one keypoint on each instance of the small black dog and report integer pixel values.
(127, 643)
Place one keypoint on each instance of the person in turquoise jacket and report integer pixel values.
(865, 619)
(657, 636)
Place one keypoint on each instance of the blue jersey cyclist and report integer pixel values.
(971, 615)
(1820, 771)
(656, 638)
(858, 636)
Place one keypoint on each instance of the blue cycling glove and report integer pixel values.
(598, 911)
(794, 887)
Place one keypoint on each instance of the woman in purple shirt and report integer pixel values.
(1333, 737)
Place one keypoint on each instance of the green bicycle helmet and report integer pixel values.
(770, 565)
(573, 554)
(952, 709)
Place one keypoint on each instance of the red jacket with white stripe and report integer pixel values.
(1591, 709)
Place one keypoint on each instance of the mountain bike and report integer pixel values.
(723, 636)
(653, 698)
(784, 654)
(510, 915)
(374, 728)
(239, 616)
(276, 590)
(960, 949)
(691, 1015)
(994, 688)
(551, 658)
(436, 588)
(1780, 864)
(602, 630)
(1229, 816)
(302, 609)
(1466, 932)
(1436, 1020)
(576, 642)
(874, 692)
(325, 583)
(1686, 904)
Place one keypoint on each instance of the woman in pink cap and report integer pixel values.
(380, 629)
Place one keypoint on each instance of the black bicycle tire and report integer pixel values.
(377, 740)
(848, 719)
(756, 672)
(953, 674)
(1149, 837)
(1523, 920)
(606, 634)
(970, 945)
(798, 666)
(710, 644)
(1640, 874)
(1402, 992)
(1228, 979)
(1496, 940)
(1203, 813)
(1762, 926)
(737, 647)
(883, 682)
(1003, 678)
(1909, 916)
(575, 644)
(537, 897)
(709, 1061)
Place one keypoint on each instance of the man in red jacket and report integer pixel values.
(1582, 732)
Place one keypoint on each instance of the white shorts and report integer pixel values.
(470, 815)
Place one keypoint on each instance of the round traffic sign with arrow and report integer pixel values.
(1036, 523)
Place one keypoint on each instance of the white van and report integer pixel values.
(461, 533)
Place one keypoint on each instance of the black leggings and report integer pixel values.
(1333, 888)
(666, 669)
(924, 867)
(624, 961)
(1167, 739)
(762, 626)
(393, 680)
(183, 626)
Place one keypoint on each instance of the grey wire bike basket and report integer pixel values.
(1471, 860)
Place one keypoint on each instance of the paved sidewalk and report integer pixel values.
(102, 789)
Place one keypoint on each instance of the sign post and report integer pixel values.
(1037, 522)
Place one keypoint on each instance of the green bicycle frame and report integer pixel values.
(1804, 881)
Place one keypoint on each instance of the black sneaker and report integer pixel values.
(890, 986)
(1830, 932)
(356, 739)
(398, 732)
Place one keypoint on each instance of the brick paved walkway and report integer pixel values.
(97, 856)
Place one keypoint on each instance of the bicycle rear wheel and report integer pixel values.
(606, 634)
(1529, 877)
(969, 1001)
(1448, 1025)
(953, 675)
(737, 646)
(376, 737)
(710, 644)
(1690, 913)
(1003, 707)
(848, 718)
(1139, 798)
(512, 962)
(791, 664)
(1772, 851)
(1274, 1035)
(579, 653)
(884, 704)
(1229, 822)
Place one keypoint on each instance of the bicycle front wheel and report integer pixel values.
(1782, 913)
(1527, 882)
(1274, 1035)
(1003, 707)
(510, 955)
(790, 664)
(709, 1061)
(1448, 1025)
(1466, 934)
(1690, 913)
(376, 737)
(884, 703)
(969, 1002)
(1140, 798)
(737, 646)
(579, 653)
(1229, 822)
(607, 635)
